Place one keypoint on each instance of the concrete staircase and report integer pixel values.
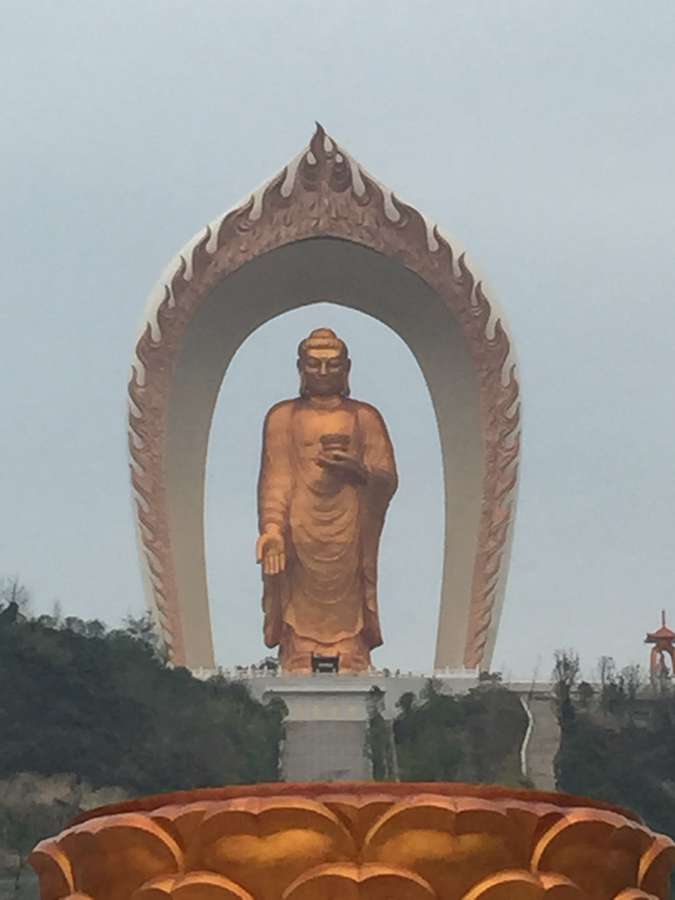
(543, 741)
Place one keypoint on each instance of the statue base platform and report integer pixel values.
(341, 697)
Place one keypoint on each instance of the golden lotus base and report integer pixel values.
(348, 841)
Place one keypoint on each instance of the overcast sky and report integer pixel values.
(541, 135)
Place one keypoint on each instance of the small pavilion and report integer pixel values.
(663, 640)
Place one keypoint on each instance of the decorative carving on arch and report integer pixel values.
(324, 194)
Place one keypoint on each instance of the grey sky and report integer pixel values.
(541, 135)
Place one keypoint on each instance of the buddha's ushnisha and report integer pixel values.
(327, 475)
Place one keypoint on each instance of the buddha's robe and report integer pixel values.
(332, 527)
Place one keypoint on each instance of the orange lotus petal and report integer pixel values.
(194, 886)
(182, 821)
(656, 865)
(265, 844)
(527, 823)
(519, 884)
(451, 842)
(156, 889)
(358, 813)
(634, 894)
(558, 887)
(53, 868)
(350, 881)
(113, 856)
(599, 851)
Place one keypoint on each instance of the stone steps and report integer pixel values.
(543, 743)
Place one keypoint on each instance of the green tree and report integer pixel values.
(585, 693)
(472, 737)
(565, 674)
(13, 591)
(379, 737)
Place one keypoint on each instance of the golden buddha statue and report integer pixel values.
(327, 475)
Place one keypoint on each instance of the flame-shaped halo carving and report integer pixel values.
(325, 194)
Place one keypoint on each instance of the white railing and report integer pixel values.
(249, 672)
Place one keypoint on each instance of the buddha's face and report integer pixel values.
(324, 371)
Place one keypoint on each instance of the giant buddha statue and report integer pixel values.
(327, 475)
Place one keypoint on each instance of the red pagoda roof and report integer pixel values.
(662, 633)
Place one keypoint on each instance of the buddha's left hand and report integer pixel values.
(343, 464)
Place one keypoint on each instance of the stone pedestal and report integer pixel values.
(299, 691)
(326, 727)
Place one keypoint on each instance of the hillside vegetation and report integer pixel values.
(474, 737)
(103, 710)
(618, 740)
(103, 704)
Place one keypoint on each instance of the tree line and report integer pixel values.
(473, 737)
(78, 697)
(617, 738)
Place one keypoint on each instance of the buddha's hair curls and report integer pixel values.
(322, 339)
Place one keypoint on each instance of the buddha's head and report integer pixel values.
(323, 364)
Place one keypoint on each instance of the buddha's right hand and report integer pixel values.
(270, 550)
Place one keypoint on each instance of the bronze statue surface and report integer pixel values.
(327, 475)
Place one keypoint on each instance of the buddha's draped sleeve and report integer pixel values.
(276, 475)
(378, 458)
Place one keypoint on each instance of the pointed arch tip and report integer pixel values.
(317, 142)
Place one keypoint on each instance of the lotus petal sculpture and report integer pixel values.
(348, 841)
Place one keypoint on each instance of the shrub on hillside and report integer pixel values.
(474, 737)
